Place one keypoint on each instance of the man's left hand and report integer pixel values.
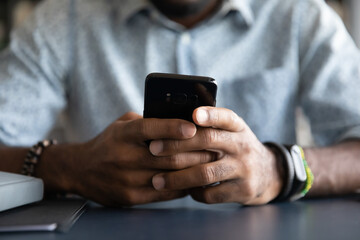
(245, 171)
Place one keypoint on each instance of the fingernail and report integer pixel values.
(202, 116)
(188, 130)
(156, 147)
(158, 182)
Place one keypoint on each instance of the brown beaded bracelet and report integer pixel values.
(33, 156)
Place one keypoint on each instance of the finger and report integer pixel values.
(130, 116)
(145, 195)
(155, 196)
(229, 191)
(143, 159)
(137, 178)
(200, 175)
(212, 195)
(206, 139)
(151, 128)
(130, 177)
(221, 118)
(178, 161)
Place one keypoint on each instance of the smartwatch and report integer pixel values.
(300, 176)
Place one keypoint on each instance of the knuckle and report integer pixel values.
(175, 162)
(171, 182)
(218, 197)
(127, 116)
(136, 128)
(208, 174)
(170, 128)
(210, 136)
(130, 197)
(116, 131)
(206, 157)
(248, 171)
(246, 149)
(214, 173)
(223, 170)
(240, 123)
(126, 180)
(234, 119)
(227, 137)
(172, 145)
(249, 190)
(174, 128)
(142, 128)
(208, 197)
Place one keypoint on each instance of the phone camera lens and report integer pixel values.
(168, 97)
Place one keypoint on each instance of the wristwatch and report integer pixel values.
(300, 176)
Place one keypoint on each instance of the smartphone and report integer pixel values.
(177, 96)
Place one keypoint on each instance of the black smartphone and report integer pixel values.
(177, 96)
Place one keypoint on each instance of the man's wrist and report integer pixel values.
(58, 168)
(277, 182)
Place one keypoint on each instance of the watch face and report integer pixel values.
(300, 172)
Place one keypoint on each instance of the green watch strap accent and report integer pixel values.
(309, 174)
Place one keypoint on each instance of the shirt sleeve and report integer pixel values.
(330, 75)
(32, 76)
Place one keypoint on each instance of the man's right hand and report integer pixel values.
(116, 167)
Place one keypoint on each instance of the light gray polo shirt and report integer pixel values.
(88, 59)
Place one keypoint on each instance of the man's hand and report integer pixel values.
(116, 168)
(247, 171)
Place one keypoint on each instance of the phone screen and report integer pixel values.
(177, 96)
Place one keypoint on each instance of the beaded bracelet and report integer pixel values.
(33, 156)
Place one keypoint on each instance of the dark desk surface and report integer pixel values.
(310, 219)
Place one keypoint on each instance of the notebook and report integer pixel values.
(57, 214)
(17, 190)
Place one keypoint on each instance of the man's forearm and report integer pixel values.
(12, 159)
(336, 169)
(56, 165)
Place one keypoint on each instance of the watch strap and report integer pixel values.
(298, 176)
(286, 160)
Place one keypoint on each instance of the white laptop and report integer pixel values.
(17, 190)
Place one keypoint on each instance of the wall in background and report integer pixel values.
(353, 7)
(349, 12)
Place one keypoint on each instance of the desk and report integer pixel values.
(304, 220)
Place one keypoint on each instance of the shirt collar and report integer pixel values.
(129, 8)
(242, 7)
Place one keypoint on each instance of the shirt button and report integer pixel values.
(186, 37)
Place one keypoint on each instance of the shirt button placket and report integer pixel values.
(184, 55)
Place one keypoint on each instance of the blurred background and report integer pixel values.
(14, 12)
